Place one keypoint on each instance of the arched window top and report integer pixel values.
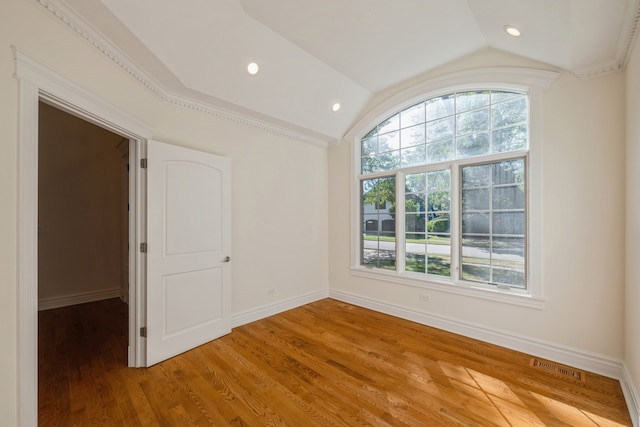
(453, 126)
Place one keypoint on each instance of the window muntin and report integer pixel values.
(457, 130)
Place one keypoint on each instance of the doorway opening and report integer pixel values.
(83, 236)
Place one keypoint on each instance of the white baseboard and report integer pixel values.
(252, 315)
(591, 362)
(80, 298)
(631, 396)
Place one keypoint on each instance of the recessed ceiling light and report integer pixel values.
(512, 31)
(253, 68)
(335, 107)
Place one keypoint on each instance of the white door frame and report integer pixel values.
(37, 82)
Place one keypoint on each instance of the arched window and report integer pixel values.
(481, 137)
(450, 174)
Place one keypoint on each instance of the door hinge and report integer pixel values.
(143, 248)
(143, 163)
(143, 332)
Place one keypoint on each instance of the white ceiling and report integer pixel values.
(313, 53)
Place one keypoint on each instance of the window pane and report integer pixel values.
(476, 272)
(439, 265)
(416, 183)
(414, 223)
(415, 262)
(509, 139)
(388, 141)
(470, 100)
(439, 201)
(413, 156)
(509, 113)
(476, 258)
(438, 223)
(369, 146)
(387, 161)
(508, 276)
(412, 115)
(369, 164)
(439, 180)
(497, 96)
(476, 176)
(412, 136)
(414, 203)
(508, 172)
(440, 107)
(473, 145)
(476, 199)
(472, 122)
(440, 129)
(475, 223)
(440, 151)
(508, 223)
(508, 257)
(511, 197)
(391, 124)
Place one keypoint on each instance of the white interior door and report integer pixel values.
(188, 245)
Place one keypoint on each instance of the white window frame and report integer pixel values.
(528, 81)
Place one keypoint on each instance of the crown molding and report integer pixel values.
(627, 40)
(73, 21)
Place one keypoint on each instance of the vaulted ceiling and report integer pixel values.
(315, 53)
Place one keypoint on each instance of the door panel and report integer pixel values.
(188, 238)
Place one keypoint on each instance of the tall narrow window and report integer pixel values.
(494, 223)
(378, 223)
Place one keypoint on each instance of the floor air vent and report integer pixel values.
(554, 368)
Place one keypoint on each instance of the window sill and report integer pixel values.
(469, 289)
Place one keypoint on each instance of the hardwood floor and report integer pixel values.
(324, 364)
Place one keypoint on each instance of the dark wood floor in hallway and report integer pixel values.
(324, 364)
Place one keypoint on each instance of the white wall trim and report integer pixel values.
(248, 316)
(591, 362)
(71, 19)
(79, 298)
(631, 396)
(27, 255)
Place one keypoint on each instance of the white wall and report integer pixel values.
(632, 295)
(583, 225)
(279, 185)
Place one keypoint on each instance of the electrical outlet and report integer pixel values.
(271, 291)
(424, 297)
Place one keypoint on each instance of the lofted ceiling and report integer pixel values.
(315, 53)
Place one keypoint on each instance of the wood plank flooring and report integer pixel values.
(324, 364)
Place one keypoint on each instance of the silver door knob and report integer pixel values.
(226, 259)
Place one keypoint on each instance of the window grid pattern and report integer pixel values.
(493, 220)
(427, 222)
(448, 127)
